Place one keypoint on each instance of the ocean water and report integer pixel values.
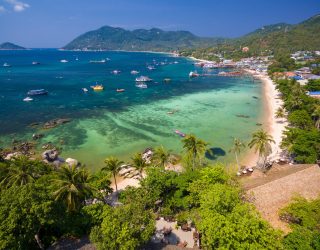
(120, 124)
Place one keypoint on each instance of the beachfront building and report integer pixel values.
(314, 94)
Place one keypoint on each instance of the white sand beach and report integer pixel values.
(274, 126)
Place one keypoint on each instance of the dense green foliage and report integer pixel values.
(278, 39)
(304, 219)
(313, 85)
(109, 38)
(302, 138)
(125, 227)
(282, 63)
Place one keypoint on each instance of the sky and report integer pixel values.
(54, 23)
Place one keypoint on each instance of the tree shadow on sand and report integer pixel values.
(214, 153)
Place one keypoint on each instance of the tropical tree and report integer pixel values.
(316, 116)
(25, 212)
(138, 164)
(161, 157)
(280, 113)
(113, 166)
(194, 147)
(261, 142)
(125, 227)
(236, 149)
(21, 171)
(73, 186)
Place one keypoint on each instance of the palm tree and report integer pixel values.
(21, 171)
(316, 116)
(73, 186)
(261, 141)
(236, 149)
(161, 157)
(139, 164)
(194, 147)
(113, 166)
(280, 113)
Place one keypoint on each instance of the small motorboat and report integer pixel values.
(142, 86)
(63, 61)
(27, 99)
(143, 79)
(35, 63)
(120, 90)
(150, 67)
(178, 132)
(97, 87)
(134, 72)
(37, 92)
(193, 74)
(167, 80)
(6, 65)
(116, 72)
(99, 61)
(85, 90)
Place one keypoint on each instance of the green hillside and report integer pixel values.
(10, 46)
(109, 38)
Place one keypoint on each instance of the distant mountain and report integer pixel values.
(279, 37)
(110, 38)
(284, 37)
(10, 46)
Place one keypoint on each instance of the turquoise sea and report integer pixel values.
(111, 123)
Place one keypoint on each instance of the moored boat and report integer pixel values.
(6, 65)
(178, 132)
(120, 90)
(27, 99)
(63, 61)
(150, 67)
(35, 63)
(134, 72)
(37, 92)
(142, 85)
(97, 87)
(193, 74)
(85, 90)
(143, 79)
(98, 61)
(116, 72)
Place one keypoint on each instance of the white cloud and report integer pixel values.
(2, 9)
(17, 5)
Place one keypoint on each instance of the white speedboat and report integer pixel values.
(150, 67)
(98, 61)
(116, 72)
(85, 90)
(142, 86)
(134, 72)
(35, 63)
(27, 99)
(193, 74)
(143, 79)
(6, 65)
(63, 61)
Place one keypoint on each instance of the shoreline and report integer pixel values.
(274, 126)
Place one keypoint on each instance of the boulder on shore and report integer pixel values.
(72, 162)
(50, 155)
(55, 122)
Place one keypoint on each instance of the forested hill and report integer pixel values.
(278, 37)
(284, 37)
(110, 38)
(10, 46)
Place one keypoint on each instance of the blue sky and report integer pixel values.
(53, 23)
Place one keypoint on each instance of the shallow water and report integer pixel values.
(111, 123)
